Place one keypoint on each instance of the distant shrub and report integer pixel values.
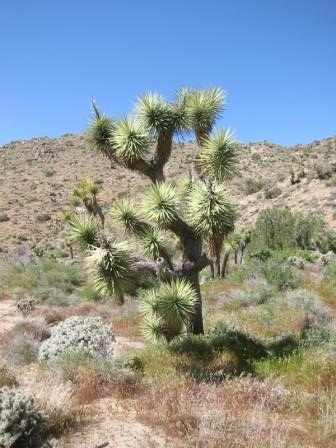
(280, 275)
(280, 229)
(272, 191)
(274, 229)
(324, 170)
(79, 334)
(20, 419)
(21, 350)
(45, 279)
(252, 185)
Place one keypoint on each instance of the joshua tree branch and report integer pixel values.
(162, 154)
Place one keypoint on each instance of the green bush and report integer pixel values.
(46, 279)
(281, 229)
(280, 275)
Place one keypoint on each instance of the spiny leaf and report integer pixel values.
(131, 140)
(100, 133)
(84, 229)
(218, 156)
(160, 204)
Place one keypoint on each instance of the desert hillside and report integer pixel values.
(37, 175)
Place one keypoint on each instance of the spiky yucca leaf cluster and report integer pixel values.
(158, 115)
(209, 210)
(161, 205)
(100, 133)
(84, 230)
(86, 190)
(218, 158)
(154, 244)
(202, 108)
(168, 309)
(124, 212)
(111, 268)
(130, 140)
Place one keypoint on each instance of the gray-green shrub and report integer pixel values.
(20, 419)
(79, 334)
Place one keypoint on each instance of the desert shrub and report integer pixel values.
(252, 185)
(7, 378)
(260, 294)
(274, 229)
(310, 368)
(272, 191)
(20, 419)
(316, 313)
(79, 334)
(95, 377)
(21, 350)
(32, 329)
(280, 275)
(324, 170)
(281, 229)
(45, 279)
(297, 262)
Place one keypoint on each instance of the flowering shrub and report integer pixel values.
(82, 334)
(19, 418)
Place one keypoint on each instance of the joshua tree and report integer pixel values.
(200, 214)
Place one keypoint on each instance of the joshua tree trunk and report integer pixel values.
(196, 324)
(225, 262)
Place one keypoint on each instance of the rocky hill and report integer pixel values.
(37, 175)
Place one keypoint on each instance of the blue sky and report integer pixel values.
(275, 58)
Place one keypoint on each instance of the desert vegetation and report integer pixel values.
(162, 317)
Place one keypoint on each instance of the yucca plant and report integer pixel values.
(168, 309)
(202, 214)
(85, 193)
(212, 216)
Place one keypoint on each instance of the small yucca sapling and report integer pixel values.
(143, 143)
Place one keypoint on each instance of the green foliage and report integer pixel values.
(168, 309)
(86, 189)
(274, 229)
(280, 275)
(45, 279)
(280, 229)
(124, 212)
(218, 156)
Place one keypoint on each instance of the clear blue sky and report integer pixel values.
(275, 58)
